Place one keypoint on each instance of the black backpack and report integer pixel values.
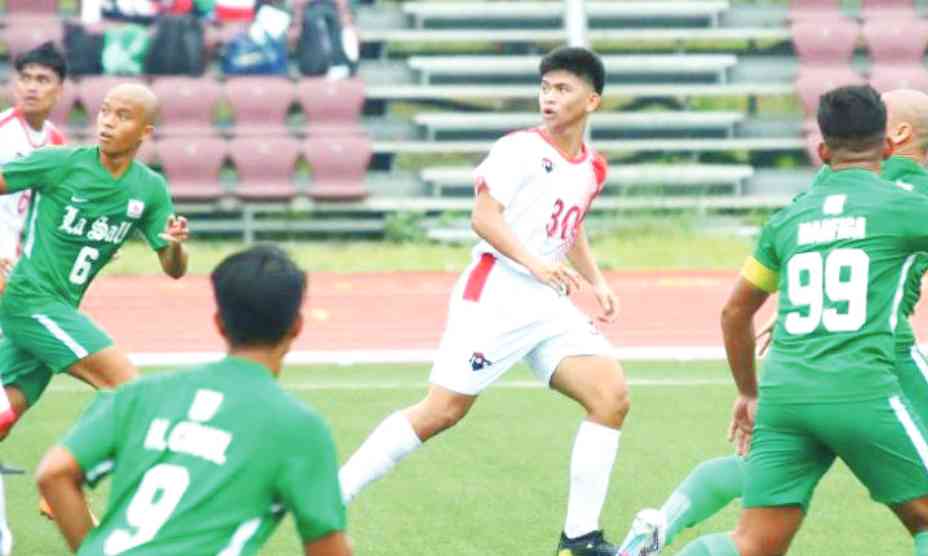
(83, 50)
(320, 42)
(177, 48)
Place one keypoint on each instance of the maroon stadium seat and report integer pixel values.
(265, 166)
(260, 104)
(148, 152)
(22, 34)
(813, 137)
(332, 106)
(802, 9)
(896, 40)
(882, 8)
(339, 166)
(814, 81)
(888, 77)
(93, 91)
(187, 105)
(60, 115)
(825, 41)
(32, 6)
(192, 166)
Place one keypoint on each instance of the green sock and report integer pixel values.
(719, 544)
(708, 488)
(921, 544)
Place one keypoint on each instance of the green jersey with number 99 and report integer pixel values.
(80, 216)
(839, 255)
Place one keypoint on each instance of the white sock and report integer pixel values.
(6, 537)
(595, 448)
(391, 441)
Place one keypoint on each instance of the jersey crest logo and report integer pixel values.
(478, 361)
(135, 208)
(549, 166)
(834, 205)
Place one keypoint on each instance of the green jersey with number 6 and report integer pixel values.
(80, 216)
(206, 462)
(839, 255)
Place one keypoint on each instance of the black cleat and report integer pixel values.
(9, 470)
(591, 544)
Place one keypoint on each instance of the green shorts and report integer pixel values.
(882, 441)
(912, 372)
(47, 339)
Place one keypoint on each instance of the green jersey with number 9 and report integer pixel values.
(839, 255)
(206, 462)
(80, 217)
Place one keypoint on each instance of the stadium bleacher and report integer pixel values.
(686, 103)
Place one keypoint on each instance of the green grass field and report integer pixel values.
(495, 485)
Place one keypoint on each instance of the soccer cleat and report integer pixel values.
(647, 535)
(591, 544)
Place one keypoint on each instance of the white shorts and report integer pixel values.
(498, 316)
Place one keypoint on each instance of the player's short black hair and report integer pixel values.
(852, 118)
(46, 54)
(582, 62)
(259, 292)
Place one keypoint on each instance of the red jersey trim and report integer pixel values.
(55, 137)
(9, 118)
(581, 156)
(478, 277)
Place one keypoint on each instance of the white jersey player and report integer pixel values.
(532, 194)
(38, 83)
(24, 128)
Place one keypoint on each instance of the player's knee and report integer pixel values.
(761, 543)
(611, 404)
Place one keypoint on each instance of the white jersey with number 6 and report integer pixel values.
(545, 193)
(17, 140)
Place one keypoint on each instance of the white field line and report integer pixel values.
(388, 356)
(421, 385)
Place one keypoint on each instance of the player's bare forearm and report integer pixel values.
(488, 223)
(174, 260)
(738, 333)
(60, 480)
(582, 259)
(335, 544)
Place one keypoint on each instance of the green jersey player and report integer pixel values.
(839, 255)
(196, 469)
(86, 202)
(713, 484)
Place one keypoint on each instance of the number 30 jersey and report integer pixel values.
(80, 216)
(839, 256)
(545, 193)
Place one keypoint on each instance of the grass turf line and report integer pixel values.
(496, 484)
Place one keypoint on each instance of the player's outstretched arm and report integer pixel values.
(335, 544)
(488, 223)
(60, 481)
(174, 257)
(581, 256)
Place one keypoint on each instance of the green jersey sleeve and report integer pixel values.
(914, 214)
(308, 483)
(765, 252)
(92, 441)
(156, 216)
(40, 170)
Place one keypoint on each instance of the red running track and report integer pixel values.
(402, 310)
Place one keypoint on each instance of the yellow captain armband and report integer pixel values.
(759, 275)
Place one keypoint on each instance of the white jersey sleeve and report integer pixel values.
(502, 172)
